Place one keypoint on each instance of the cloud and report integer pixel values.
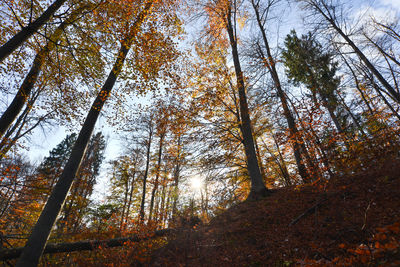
(382, 13)
(392, 3)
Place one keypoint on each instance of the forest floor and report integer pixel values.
(352, 220)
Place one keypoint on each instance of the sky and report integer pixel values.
(43, 143)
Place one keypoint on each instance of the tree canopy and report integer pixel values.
(174, 112)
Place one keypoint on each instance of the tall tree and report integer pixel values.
(77, 202)
(222, 17)
(269, 61)
(124, 184)
(161, 131)
(149, 124)
(24, 92)
(306, 63)
(330, 14)
(40, 233)
(27, 31)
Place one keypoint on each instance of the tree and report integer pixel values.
(306, 63)
(77, 202)
(268, 60)
(149, 128)
(222, 17)
(125, 184)
(330, 15)
(161, 131)
(27, 31)
(52, 166)
(38, 238)
(24, 92)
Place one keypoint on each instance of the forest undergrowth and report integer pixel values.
(351, 220)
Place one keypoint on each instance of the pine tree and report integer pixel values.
(51, 168)
(306, 63)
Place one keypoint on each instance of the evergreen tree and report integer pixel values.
(78, 199)
(306, 63)
(52, 166)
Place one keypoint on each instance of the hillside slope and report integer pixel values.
(351, 220)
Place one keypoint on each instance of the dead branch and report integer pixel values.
(13, 253)
(310, 210)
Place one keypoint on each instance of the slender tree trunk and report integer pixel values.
(146, 173)
(358, 86)
(378, 91)
(41, 231)
(123, 214)
(165, 197)
(314, 169)
(258, 189)
(11, 113)
(282, 163)
(155, 187)
(260, 163)
(28, 31)
(355, 120)
(177, 170)
(322, 153)
(331, 111)
(165, 211)
(390, 90)
(294, 133)
(132, 186)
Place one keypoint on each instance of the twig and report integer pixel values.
(309, 211)
(365, 215)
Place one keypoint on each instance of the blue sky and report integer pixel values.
(42, 143)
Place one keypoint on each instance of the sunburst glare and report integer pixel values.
(196, 183)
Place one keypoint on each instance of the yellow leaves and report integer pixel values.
(242, 21)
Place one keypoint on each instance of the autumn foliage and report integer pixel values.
(199, 133)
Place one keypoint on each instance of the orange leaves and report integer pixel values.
(384, 247)
(395, 228)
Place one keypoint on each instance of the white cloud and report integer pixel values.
(392, 3)
(382, 13)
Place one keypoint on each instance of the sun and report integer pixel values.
(196, 183)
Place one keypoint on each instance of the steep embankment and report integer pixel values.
(352, 220)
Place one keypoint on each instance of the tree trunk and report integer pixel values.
(41, 231)
(390, 90)
(132, 186)
(155, 187)
(282, 163)
(177, 170)
(26, 32)
(13, 253)
(11, 113)
(123, 214)
(294, 134)
(258, 189)
(260, 163)
(146, 172)
(357, 82)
